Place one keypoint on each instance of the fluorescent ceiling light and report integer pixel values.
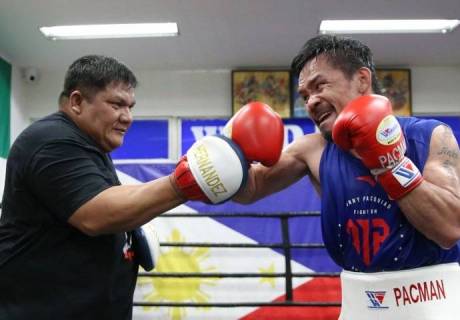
(104, 31)
(387, 26)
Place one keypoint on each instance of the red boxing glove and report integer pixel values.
(258, 131)
(367, 125)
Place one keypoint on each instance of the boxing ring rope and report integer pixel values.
(285, 244)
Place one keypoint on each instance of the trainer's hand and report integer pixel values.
(368, 126)
(258, 131)
(212, 171)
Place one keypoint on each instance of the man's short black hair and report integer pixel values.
(93, 73)
(345, 54)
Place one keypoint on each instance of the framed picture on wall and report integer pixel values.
(268, 86)
(396, 86)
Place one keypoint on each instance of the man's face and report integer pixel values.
(106, 116)
(326, 91)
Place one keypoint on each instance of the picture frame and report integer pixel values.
(396, 86)
(271, 87)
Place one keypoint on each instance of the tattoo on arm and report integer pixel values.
(448, 153)
(452, 154)
(446, 146)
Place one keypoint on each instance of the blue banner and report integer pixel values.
(145, 139)
(149, 139)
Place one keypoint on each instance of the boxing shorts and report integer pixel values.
(428, 293)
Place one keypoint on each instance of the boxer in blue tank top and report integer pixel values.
(390, 186)
(363, 229)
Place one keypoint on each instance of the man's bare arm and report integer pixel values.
(434, 206)
(293, 165)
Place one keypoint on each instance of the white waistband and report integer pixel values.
(424, 293)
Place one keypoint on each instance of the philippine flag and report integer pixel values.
(251, 231)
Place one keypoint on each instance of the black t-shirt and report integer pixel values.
(48, 268)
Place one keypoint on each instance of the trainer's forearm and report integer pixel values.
(122, 208)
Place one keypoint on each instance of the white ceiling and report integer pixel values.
(219, 34)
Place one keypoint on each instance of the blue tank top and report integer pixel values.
(363, 229)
